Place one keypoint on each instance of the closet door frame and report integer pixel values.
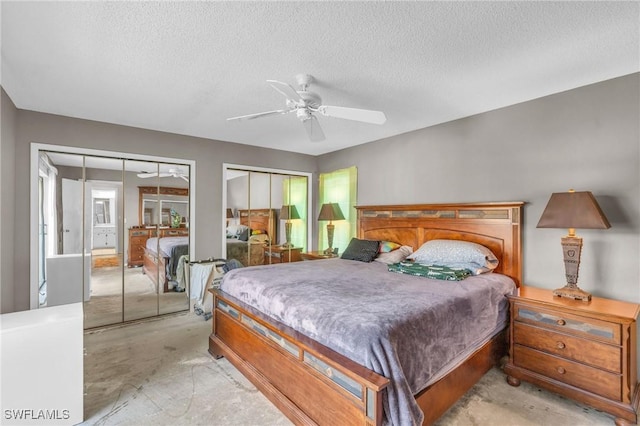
(225, 169)
(33, 198)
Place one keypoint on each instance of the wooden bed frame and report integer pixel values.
(154, 265)
(265, 220)
(306, 380)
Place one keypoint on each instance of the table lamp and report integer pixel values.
(288, 212)
(330, 212)
(573, 210)
(229, 214)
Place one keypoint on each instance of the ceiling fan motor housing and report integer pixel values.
(311, 100)
(303, 114)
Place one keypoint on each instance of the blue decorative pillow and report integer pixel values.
(454, 253)
(387, 246)
(361, 250)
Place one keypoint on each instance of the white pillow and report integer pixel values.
(395, 256)
(232, 230)
(453, 253)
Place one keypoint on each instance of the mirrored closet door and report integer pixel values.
(267, 217)
(114, 234)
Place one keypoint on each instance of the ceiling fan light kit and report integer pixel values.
(173, 172)
(304, 103)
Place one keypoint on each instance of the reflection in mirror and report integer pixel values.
(140, 288)
(173, 244)
(63, 267)
(254, 201)
(94, 243)
(104, 192)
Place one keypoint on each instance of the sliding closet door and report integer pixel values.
(237, 200)
(64, 262)
(103, 226)
(294, 191)
(140, 283)
(271, 191)
(173, 294)
(101, 221)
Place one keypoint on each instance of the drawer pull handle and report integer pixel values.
(561, 370)
(560, 345)
(561, 322)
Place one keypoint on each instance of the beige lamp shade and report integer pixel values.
(330, 211)
(573, 210)
(288, 212)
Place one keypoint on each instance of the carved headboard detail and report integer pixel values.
(497, 226)
(263, 219)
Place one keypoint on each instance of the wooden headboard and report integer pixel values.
(497, 226)
(263, 219)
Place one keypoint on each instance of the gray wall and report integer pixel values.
(209, 156)
(586, 139)
(7, 196)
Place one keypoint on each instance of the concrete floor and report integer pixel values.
(159, 372)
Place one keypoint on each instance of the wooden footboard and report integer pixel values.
(313, 385)
(154, 268)
(308, 382)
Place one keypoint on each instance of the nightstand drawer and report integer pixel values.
(600, 382)
(140, 241)
(596, 354)
(590, 328)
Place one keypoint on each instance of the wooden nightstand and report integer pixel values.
(316, 255)
(582, 350)
(279, 254)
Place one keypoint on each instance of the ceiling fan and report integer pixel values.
(173, 172)
(304, 103)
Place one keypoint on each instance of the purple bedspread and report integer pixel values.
(406, 328)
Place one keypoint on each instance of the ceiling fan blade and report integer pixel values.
(364, 115)
(183, 177)
(260, 114)
(314, 131)
(286, 90)
(147, 175)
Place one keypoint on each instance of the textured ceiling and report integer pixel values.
(184, 67)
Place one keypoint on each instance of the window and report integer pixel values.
(340, 187)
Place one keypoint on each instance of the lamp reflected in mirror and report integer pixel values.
(288, 212)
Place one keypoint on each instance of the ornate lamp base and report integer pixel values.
(571, 249)
(572, 292)
(330, 229)
(329, 252)
(287, 234)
